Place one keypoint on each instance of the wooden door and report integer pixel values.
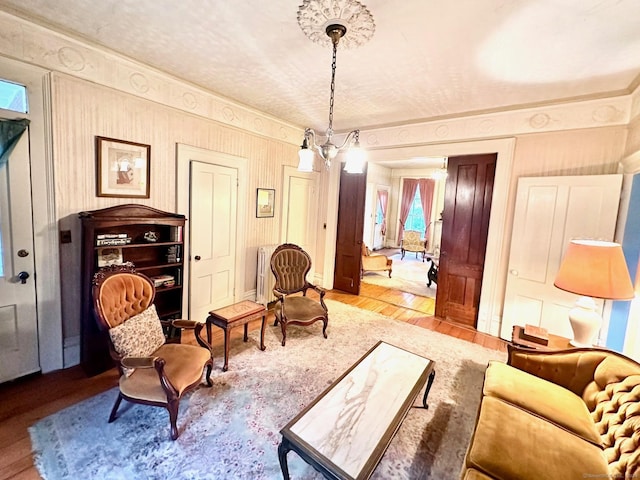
(214, 192)
(299, 212)
(465, 226)
(349, 235)
(549, 212)
(18, 314)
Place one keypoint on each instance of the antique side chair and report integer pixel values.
(290, 265)
(152, 372)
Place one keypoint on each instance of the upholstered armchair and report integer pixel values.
(412, 242)
(152, 372)
(290, 265)
(374, 262)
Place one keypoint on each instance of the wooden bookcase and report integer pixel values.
(150, 239)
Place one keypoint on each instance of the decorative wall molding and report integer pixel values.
(565, 116)
(32, 43)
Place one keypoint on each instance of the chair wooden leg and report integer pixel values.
(283, 328)
(173, 418)
(114, 410)
(208, 376)
(324, 328)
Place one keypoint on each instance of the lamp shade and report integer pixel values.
(305, 156)
(595, 268)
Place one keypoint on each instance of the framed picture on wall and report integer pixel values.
(123, 168)
(265, 202)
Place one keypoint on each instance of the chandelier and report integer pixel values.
(440, 173)
(333, 16)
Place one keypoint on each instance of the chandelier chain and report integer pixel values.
(333, 89)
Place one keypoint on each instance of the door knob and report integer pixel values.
(23, 277)
(514, 272)
(197, 257)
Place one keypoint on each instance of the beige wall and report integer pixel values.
(82, 110)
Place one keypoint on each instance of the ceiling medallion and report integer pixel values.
(332, 19)
(314, 16)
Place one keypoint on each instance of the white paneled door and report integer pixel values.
(300, 212)
(18, 321)
(213, 210)
(549, 212)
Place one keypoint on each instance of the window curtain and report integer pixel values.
(383, 197)
(409, 187)
(427, 186)
(10, 132)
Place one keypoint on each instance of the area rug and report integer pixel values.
(408, 275)
(231, 431)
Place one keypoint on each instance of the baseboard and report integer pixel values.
(71, 351)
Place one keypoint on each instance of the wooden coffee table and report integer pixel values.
(235, 315)
(346, 430)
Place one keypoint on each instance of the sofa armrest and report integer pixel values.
(572, 368)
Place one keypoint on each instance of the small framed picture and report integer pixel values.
(109, 256)
(265, 202)
(123, 168)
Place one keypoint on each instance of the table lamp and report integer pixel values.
(592, 268)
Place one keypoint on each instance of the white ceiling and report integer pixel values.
(427, 59)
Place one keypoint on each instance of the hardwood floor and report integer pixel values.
(27, 400)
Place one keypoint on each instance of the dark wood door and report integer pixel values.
(349, 235)
(465, 224)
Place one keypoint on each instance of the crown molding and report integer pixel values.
(29, 42)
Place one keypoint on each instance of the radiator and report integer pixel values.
(265, 278)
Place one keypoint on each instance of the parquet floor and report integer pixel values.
(30, 399)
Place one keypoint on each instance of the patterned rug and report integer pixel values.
(408, 275)
(231, 431)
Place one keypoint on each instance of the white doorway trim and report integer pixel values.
(496, 258)
(45, 225)
(184, 155)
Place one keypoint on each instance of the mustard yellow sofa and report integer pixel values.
(561, 415)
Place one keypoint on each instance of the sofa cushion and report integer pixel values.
(473, 474)
(542, 398)
(511, 443)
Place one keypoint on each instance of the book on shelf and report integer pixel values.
(109, 256)
(174, 254)
(163, 281)
(176, 233)
(100, 242)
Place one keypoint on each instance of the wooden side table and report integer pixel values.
(232, 316)
(556, 342)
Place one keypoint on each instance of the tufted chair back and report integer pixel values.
(290, 265)
(121, 293)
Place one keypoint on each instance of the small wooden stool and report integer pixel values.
(237, 314)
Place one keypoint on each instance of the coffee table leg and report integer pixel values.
(226, 350)
(264, 320)
(283, 449)
(432, 376)
(246, 336)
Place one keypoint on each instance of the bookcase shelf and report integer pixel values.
(150, 239)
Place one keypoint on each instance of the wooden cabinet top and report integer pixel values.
(129, 212)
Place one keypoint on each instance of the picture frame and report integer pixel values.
(110, 256)
(123, 168)
(265, 202)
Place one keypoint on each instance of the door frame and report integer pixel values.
(184, 155)
(51, 345)
(493, 279)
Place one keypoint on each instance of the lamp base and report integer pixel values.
(585, 322)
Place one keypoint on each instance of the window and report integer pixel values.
(415, 220)
(379, 217)
(13, 96)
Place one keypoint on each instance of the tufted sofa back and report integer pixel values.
(121, 295)
(290, 265)
(613, 397)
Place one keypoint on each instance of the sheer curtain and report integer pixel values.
(383, 197)
(10, 132)
(427, 186)
(409, 187)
